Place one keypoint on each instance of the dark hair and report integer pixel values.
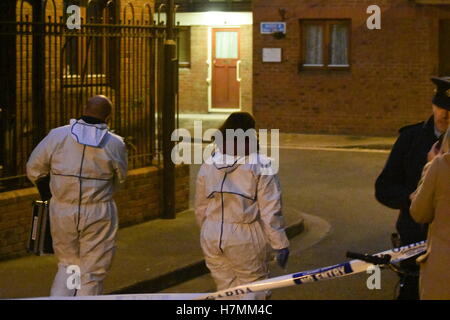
(238, 120)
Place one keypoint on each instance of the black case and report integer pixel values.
(40, 239)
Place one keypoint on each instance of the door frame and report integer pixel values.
(209, 65)
(442, 47)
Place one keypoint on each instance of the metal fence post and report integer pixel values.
(168, 115)
(38, 73)
(8, 154)
(45, 68)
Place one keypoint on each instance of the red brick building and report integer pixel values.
(339, 76)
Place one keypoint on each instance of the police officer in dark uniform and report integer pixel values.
(402, 173)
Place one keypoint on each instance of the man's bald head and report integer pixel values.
(99, 107)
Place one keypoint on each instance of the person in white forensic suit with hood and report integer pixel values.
(238, 207)
(86, 163)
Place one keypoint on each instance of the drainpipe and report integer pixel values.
(168, 114)
(8, 144)
(38, 72)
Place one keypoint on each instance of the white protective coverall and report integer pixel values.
(85, 162)
(239, 211)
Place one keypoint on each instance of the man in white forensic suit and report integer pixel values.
(86, 163)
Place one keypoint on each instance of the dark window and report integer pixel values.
(325, 44)
(87, 51)
(184, 47)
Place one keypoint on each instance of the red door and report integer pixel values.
(225, 78)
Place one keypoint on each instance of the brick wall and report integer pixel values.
(193, 90)
(138, 201)
(387, 87)
(193, 86)
(246, 68)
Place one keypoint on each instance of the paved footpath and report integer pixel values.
(159, 254)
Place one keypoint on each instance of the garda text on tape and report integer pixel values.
(331, 272)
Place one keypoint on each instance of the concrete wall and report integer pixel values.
(387, 87)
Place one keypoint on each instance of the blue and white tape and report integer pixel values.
(326, 273)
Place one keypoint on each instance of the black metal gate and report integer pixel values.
(116, 50)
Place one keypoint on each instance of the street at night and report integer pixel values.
(256, 150)
(336, 191)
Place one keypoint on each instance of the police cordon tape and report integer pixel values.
(326, 273)
(142, 296)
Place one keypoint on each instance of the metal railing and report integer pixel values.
(118, 54)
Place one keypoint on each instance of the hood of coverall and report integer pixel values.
(228, 163)
(88, 134)
(225, 162)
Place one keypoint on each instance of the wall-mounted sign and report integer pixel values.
(272, 27)
(272, 55)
